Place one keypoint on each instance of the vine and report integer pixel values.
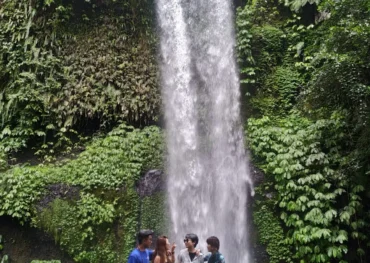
(49, 83)
(300, 156)
(154, 213)
(270, 231)
(101, 222)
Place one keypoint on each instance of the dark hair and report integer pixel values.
(143, 234)
(160, 248)
(193, 238)
(213, 242)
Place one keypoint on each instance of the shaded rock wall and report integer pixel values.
(23, 243)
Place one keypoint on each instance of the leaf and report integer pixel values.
(342, 236)
(344, 216)
(330, 214)
(40, 133)
(6, 131)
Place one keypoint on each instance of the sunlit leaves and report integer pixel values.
(19, 189)
(296, 5)
(307, 184)
(108, 163)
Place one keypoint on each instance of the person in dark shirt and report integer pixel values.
(142, 254)
(213, 245)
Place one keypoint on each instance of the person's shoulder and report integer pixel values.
(183, 251)
(134, 252)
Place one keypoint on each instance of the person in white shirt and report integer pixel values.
(190, 254)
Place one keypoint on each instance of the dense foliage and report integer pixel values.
(305, 65)
(99, 222)
(69, 68)
(153, 213)
(70, 72)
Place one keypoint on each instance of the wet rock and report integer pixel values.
(25, 243)
(152, 182)
(257, 174)
(259, 254)
(60, 191)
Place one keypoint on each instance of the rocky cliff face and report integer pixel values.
(23, 244)
(151, 183)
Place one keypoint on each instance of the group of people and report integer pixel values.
(165, 252)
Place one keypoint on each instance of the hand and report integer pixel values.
(173, 248)
(197, 252)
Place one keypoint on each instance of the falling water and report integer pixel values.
(208, 172)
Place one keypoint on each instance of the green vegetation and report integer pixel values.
(152, 209)
(72, 74)
(98, 225)
(68, 68)
(78, 76)
(305, 68)
(270, 231)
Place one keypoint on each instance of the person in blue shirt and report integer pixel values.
(142, 254)
(213, 245)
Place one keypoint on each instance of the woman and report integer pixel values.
(163, 252)
(213, 245)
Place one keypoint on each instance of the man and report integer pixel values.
(213, 245)
(190, 254)
(142, 254)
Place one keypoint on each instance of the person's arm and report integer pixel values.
(179, 259)
(206, 258)
(157, 260)
(201, 258)
(172, 258)
(132, 259)
(150, 252)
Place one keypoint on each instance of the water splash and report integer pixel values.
(208, 167)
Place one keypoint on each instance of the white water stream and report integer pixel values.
(208, 167)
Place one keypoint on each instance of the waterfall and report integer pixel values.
(207, 164)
